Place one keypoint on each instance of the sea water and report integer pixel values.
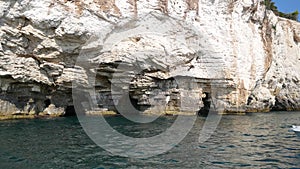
(258, 140)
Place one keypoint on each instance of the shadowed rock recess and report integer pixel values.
(231, 56)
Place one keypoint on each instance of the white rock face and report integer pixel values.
(234, 55)
(53, 111)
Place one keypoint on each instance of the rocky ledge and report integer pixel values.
(189, 56)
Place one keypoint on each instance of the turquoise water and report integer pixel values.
(252, 141)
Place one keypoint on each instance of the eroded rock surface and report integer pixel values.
(233, 56)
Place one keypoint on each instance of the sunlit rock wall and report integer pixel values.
(232, 54)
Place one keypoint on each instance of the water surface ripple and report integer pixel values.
(260, 140)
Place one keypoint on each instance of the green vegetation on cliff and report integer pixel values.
(271, 6)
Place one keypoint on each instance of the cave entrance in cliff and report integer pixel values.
(47, 102)
(207, 103)
(131, 105)
(136, 105)
(281, 105)
(70, 111)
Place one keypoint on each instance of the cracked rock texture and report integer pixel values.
(177, 55)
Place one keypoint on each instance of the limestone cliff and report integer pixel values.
(230, 54)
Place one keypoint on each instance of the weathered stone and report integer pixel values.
(53, 111)
(232, 56)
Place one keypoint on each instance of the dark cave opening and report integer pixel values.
(206, 102)
(137, 106)
(278, 106)
(47, 102)
(284, 104)
(70, 111)
(130, 105)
